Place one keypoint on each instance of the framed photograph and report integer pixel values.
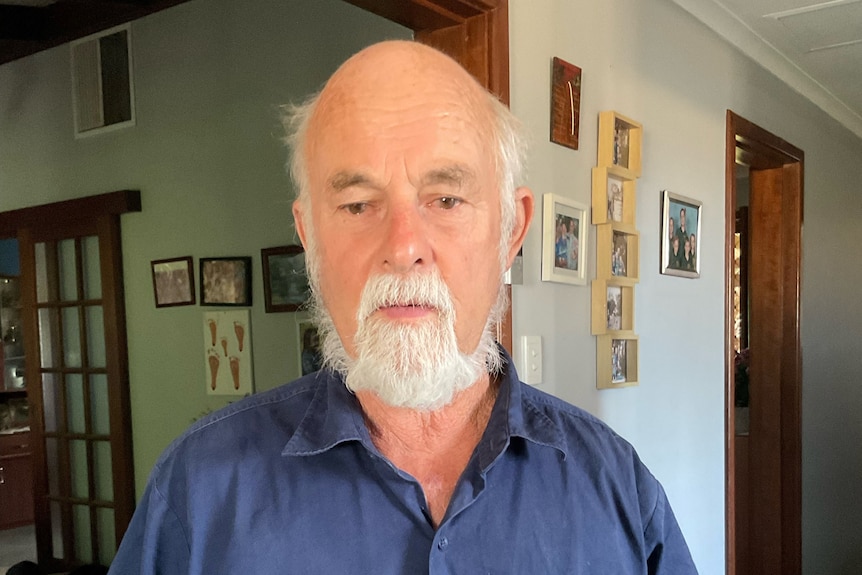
(564, 240)
(620, 141)
(680, 235)
(618, 252)
(285, 283)
(174, 282)
(613, 306)
(310, 354)
(613, 194)
(617, 361)
(565, 103)
(225, 281)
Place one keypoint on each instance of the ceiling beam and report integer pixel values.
(23, 23)
(26, 30)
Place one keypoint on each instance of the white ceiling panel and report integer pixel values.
(816, 47)
(823, 28)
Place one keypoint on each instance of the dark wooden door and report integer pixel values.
(76, 375)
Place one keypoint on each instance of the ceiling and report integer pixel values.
(30, 26)
(815, 47)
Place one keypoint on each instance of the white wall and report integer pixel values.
(651, 61)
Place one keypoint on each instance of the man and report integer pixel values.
(675, 259)
(572, 244)
(693, 241)
(681, 232)
(416, 449)
(686, 261)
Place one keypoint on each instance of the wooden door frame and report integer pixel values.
(750, 145)
(476, 34)
(100, 212)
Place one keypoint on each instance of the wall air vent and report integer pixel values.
(102, 86)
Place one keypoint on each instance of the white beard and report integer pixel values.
(415, 364)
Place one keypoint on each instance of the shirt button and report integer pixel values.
(442, 544)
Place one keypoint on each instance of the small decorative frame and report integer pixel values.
(173, 282)
(565, 103)
(613, 307)
(613, 194)
(620, 143)
(618, 252)
(564, 240)
(285, 283)
(616, 360)
(225, 281)
(680, 235)
(310, 354)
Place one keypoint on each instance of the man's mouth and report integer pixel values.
(406, 311)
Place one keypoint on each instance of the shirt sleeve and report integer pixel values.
(667, 551)
(155, 542)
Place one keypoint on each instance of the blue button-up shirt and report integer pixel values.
(289, 481)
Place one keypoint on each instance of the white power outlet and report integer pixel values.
(530, 369)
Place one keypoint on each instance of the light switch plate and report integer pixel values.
(531, 359)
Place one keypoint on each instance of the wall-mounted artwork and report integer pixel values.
(285, 284)
(680, 235)
(174, 282)
(564, 242)
(565, 103)
(227, 352)
(311, 355)
(226, 281)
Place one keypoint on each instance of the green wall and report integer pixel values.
(207, 156)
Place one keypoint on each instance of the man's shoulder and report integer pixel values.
(580, 433)
(590, 447)
(267, 418)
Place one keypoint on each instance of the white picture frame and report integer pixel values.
(565, 234)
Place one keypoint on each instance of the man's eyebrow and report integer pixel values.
(454, 175)
(343, 180)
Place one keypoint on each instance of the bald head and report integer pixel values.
(402, 76)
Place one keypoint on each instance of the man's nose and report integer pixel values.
(406, 241)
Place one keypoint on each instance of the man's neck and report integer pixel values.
(432, 446)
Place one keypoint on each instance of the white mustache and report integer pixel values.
(417, 289)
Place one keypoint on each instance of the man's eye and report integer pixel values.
(356, 208)
(447, 203)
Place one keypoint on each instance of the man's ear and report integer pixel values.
(523, 217)
(298, 220)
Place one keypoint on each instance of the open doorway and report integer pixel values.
(17, 529)
(763, 217)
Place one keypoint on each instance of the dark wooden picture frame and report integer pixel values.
(173, 281)
(285, 283)
(225, 281)
(565, 103)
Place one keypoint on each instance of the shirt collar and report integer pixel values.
(334, 416)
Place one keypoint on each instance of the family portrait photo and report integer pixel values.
(681, 217)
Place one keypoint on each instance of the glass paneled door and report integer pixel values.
(77, 380)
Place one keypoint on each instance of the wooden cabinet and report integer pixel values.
(11, 338)
(16, 481)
